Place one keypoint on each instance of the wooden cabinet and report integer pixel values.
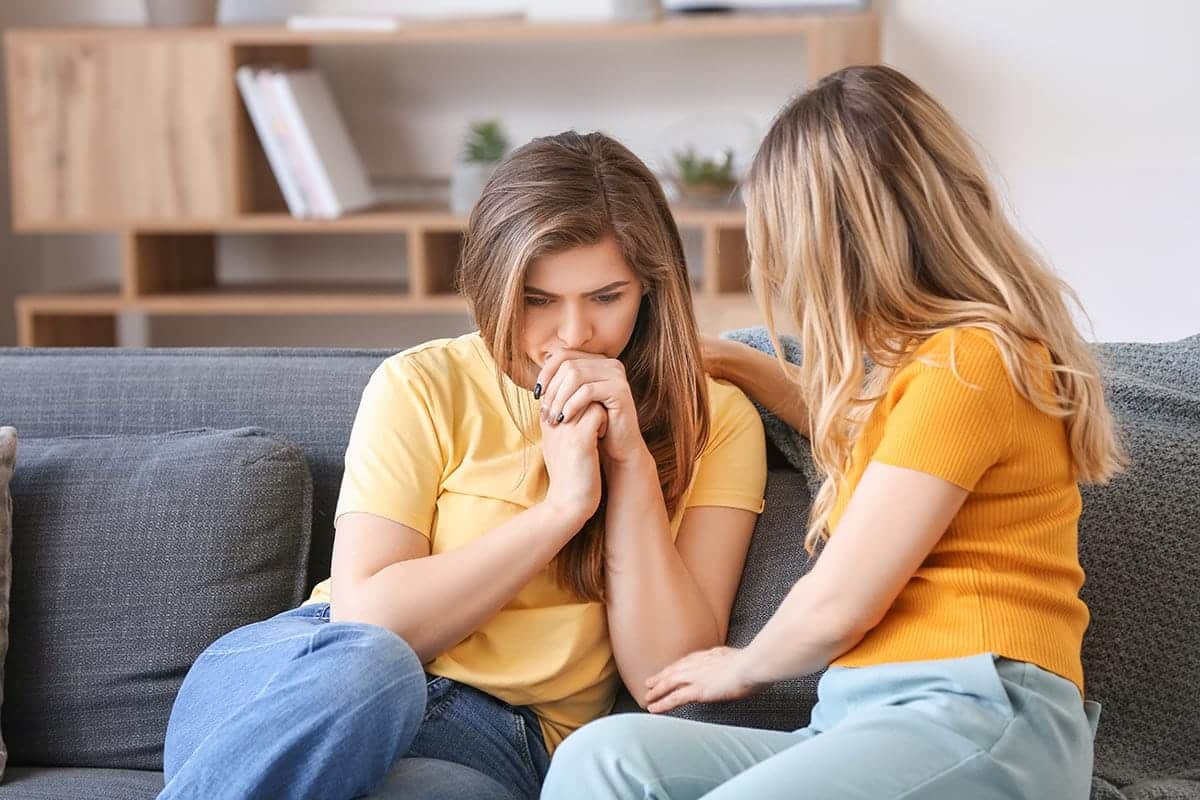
(141, 132)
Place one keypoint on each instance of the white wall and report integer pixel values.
(1088, 112)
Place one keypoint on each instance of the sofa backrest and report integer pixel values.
(1139, 537)
(309, 396)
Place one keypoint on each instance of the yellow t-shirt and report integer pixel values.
(1005, 576)
(434, 448)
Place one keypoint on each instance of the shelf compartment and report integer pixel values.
(81, 319)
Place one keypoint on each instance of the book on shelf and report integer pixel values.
(307, 144)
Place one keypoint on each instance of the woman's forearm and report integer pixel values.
(804, 635)
(760, 376)
(436, 601)
(656, 611)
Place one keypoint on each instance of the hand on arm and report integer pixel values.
(857, 577)
(760, 376)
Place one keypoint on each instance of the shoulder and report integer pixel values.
(436, 363)
(732, 417)
(970, 354)
(726, 400)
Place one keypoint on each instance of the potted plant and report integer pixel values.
(485, 146)
(704, 180)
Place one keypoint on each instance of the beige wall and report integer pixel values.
(1087, 110)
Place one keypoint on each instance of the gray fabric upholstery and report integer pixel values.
(1139, 543)
(8, 456)
(306, 395)
(59, 783)
(130, 555)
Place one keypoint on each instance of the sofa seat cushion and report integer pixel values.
(8, 457)
(130, 555)
(71, 783)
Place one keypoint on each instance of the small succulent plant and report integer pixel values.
(486, 142)
(693, 170)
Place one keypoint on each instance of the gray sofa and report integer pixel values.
(168, 540)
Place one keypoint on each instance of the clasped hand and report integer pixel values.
(588, 416)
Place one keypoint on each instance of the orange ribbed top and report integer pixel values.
(1005, 576)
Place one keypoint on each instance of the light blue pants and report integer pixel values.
(980, 727)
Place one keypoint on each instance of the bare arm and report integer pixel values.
(666, 598)
(760, 376)
(860, 572)
(857, 577)
(383, 574)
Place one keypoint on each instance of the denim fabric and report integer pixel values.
(976, 727)
(300, 707)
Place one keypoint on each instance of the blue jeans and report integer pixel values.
(976, 727)
(300, 707)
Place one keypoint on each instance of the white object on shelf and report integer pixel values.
(593, 10)
(672, 6)
(325, 148)
(267, 125)
(466, 185)
(374, 22)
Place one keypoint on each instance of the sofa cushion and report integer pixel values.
(1139, 542)
(58, 783)
(8, 455)
(130, 555)
(307, 395)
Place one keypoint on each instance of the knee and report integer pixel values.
(366, 662)
(602, 754)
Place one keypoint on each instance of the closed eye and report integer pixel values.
(605, 299)
(536, 300)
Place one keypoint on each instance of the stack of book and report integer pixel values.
(306, 141)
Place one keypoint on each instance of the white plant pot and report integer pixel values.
(176, 13)
(466, 184)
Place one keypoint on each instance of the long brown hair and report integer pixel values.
(871, 219)
(570, 190)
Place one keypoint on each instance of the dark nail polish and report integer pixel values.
(560, 417)
(537, 391)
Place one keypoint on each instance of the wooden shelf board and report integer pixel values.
(239, 300)
(279, 299)
(99, 301)
(379, 220)
(713, 26)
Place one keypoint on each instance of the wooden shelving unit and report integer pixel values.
(100, 141)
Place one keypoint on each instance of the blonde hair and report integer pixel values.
(571, 190)
(871, 219)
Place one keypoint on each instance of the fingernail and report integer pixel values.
(537, 391)
(560, 418)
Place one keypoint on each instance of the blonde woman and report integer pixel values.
(953, 409)
(529, 515)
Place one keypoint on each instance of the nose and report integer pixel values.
(574, 327)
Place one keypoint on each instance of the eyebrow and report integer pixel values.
(601, 290)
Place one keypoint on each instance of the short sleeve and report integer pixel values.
(732, 469)
(394, 461)
(951, 426)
